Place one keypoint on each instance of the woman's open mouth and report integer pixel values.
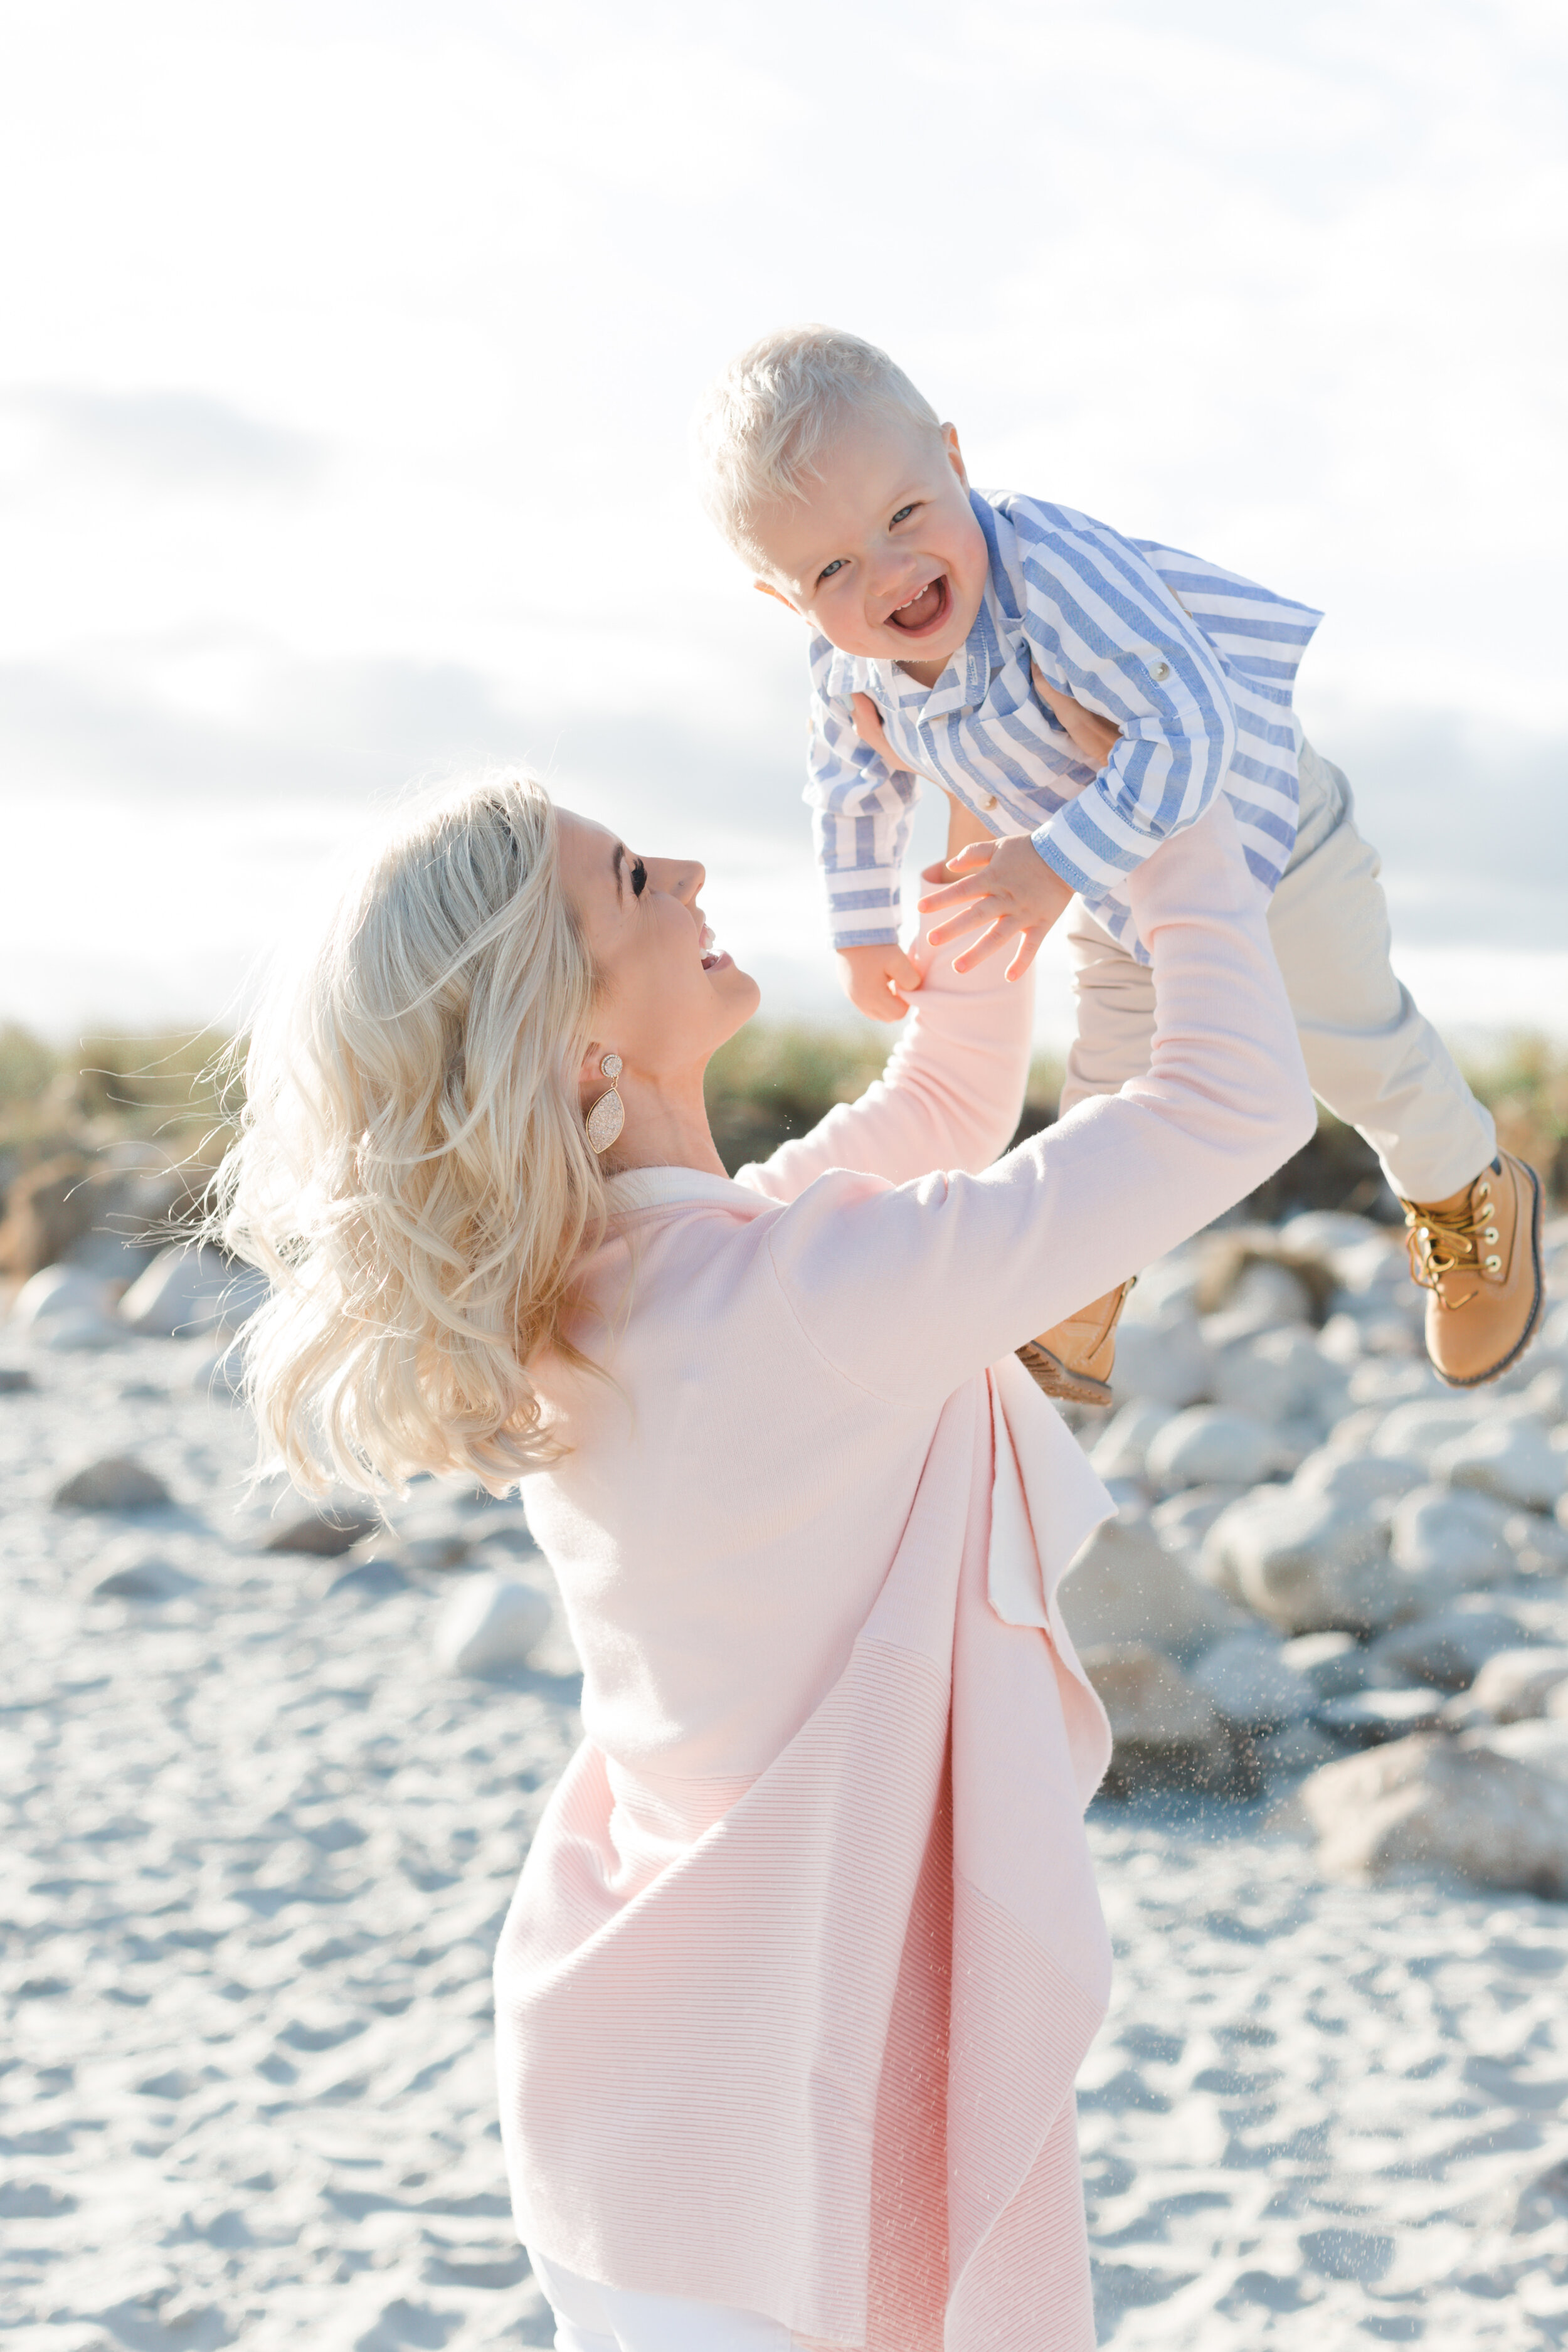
(713, 958)
(926, 610)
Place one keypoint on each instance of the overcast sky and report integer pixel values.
(346, 352)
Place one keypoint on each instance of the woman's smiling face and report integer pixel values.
(667, 999)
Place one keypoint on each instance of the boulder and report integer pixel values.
(1209, 1446)
(1512, 1686)
(1447, 1650)
(1388, 1378)
(1539, 1545)
(1181, 1522)
(1435, 1801)
(491, 1623)
(1327, 1234)
(1250, 1681)
(1333, 1666)
(1261, 1295)
(324, 1532)
(15, 1379)
(65, 1307)
(1513, 1459)
(190, 1291)
(1278, 1376)
(1165, 1292)
(1124, 1587)
(1542, 1743)
(1447, 1538)
(1305, 1561)
(147, 1578)
(1123, 1446)
(1165, 1734)
(1414, 1432)
(1358, 1482)
(1166, 1362)
(1367, 1718)
(115, 1483)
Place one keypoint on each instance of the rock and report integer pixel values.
(1296, 1748)
(1547, 1395)
(1448, 1650)
(490, 1623)
(1278, 1376)
(323, 1533)
(1513, 1459)
(1305, 1561)
(1540, 1546)
(370, 1580)
(1447, 1539)
(64, 1306)
(1208, 1447)
(147, 1578)
(1414, 1431)
(187, 1292)
(1166, 1362)
(1542, 1745)
(1123, 1446)
(114, 1483)
(1437, 1802)
(1389, 1379)
(1368, 1717)
(1181, 1522)
(1123, 1587)
(1512, 1686)
(1165, 1734)
(1328, 1234)
(1167, 1291)
(1333, 1665)
(14, 1380)
(1358, 1482)
(1250, 1683)
(1262, 1296)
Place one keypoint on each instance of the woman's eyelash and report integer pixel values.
(639, 878)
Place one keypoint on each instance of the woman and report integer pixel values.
(806, 1952)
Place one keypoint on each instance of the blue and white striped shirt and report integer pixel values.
(1196, 666)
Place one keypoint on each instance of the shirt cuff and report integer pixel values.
(1091, 845)
(863, 908)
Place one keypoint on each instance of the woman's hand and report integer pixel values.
(1092, 737)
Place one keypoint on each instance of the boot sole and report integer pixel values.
(1495, 1372)
(1051, 1376)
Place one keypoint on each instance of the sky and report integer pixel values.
(347, 352)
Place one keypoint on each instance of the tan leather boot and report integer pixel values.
(1075, 1359)
(1477, 1256)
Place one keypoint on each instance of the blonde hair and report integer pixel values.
(411, 1170)
(761, 425)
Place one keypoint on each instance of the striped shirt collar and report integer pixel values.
(965, 682)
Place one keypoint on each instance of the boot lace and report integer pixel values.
(1438, 1245)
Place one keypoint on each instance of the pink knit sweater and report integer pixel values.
(808, 1953)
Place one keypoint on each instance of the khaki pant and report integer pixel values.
(1371, 1055)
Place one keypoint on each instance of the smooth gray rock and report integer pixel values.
(1124, 1587)
(1542, 1745)
(150, 1577)
(1167, 1362)
(15, 1379)
(1513, 1459)
(1248, 1679)
(1209, 1445)
(1445, 1804)
(1368, 1717)
(324, 1534)
(1122, 1449)
(1512, 1686)
(1332, 1664)
(1181, 1522)
(1539, 1545)
(1264, 1296)
(491, 1623)
(1304, 1562)
(1448, 1650)
(1279, 1376)
(187, 1292)
(115, 1483)
(1414, 1432)
(1165, 1734)
(58, 1292)
(1447, 1539)
(1356, 1482)
(371, 1580)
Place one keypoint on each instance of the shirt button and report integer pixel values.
(990, 801)
(1161, 672)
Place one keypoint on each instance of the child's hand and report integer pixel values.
(879, 979)
(1006, 884)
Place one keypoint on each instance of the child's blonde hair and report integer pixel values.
(763, 422)
(411, 1170)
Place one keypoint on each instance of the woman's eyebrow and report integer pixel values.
(618, 866)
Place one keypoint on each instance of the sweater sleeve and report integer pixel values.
(909, 1291)
(951, 1094)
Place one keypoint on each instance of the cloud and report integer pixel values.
(173, 440)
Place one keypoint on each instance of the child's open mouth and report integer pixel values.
(924, 611)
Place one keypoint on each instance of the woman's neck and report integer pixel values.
(666, 1126)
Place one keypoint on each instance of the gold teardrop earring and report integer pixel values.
(608, 1114)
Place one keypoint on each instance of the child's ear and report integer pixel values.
(766, 588)
(954, 454)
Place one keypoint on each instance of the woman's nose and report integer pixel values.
(681, 878)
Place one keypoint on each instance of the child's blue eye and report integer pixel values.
(904, 513)
(828, 570)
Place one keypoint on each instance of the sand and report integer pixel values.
(258, 1845)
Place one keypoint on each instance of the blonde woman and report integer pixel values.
(806, 1952)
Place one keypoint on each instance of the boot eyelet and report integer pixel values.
(1493, 1265)
(1491, 1234)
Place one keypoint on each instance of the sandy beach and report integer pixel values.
(259, 1842)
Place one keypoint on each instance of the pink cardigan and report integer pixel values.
(807, 1952)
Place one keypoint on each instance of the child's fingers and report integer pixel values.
(1000, 932)
(901, 975)
(954, 894)
(1023, 954)
(968, 918)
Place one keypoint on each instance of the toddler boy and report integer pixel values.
(1084, 696)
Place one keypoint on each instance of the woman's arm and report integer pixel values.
(951, 1094)
(908, 1292)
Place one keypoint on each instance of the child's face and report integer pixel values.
(883, 556)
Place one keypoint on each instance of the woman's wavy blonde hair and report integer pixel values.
(412, 1171)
